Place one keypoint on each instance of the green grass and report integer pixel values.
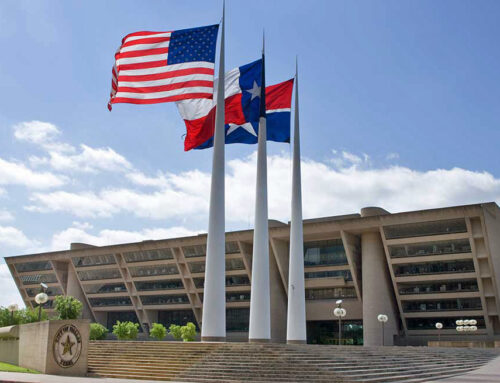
(11, 368)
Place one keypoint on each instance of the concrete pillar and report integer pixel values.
(74, 290)
(378, 295)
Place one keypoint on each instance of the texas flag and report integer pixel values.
(242, 104)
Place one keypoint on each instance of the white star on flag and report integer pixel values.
(255, 91)
(247, 126)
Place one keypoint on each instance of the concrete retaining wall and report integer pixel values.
(9, 344)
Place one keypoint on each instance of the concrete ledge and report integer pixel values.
(213, 339)
(466, 344)
(259, 340)
(9, 332)
(296, 342)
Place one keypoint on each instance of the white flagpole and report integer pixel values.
(213, 325)
(260, 304)
(296, 326)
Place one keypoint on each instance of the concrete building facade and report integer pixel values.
(418, 268)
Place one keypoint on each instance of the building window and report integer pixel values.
(178, 317)
(237, 319)
(346, 274)
(148, 255)
(331, 293)
(38, 278)
(197, 267)
(194, 251)
(432, 248)
(51, 291)
(235, 280)
(430, 323)
(105, 288)
(323, 253)
(122, 316)
(114, 301)
(164, 299)
(238, 297)
(90, 275)
(421, 229)
(33, 266)
(234, 264)
(438, 287)
(147, 271)
(434, 268)
(94, 260)
(442, 305)
(232, 248)
(159, 285)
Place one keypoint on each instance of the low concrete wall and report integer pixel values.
(9, 344)
(467, 344)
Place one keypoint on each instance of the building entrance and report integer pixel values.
(327, 332)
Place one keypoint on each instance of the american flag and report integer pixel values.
(154, 67)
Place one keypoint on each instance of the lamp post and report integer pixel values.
(466, 325)
(439, 326)
(382, 318)
(12, 309)
(41, 298)
(340, 312)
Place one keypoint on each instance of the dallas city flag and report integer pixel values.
(242, 103)
(154, 67)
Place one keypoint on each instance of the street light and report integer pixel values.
(41, 298)
(439, 326)
(466, 325)
(340, 312)
(382, 318)
(12, 309)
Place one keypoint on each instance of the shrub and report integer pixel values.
(97, 331)
(68, 307)
(175, 331)
(188, 332)
(126, 330)
(26, 315)
(158, 331)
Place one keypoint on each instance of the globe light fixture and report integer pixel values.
(439, 326)
(340, 312)
(12, 309)
(382, 318)
(466, 325)
(41, 298)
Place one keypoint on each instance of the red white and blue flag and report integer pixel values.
(242, 104)
(154, 67)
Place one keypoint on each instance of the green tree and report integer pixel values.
(68, 307)
(26, 315)
(97, 331)
(188, 332)
(175, 331)
(126, 330)
(158, 331)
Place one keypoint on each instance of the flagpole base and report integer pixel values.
(213, 338)
(259, 340)
(290, 341)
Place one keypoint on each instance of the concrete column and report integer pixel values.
(74, 290)
(378, 295)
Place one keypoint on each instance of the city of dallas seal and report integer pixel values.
(67, 346)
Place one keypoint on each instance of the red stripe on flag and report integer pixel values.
(164, 88)
(160, 76)
(147, 40)
(142, 33)
(279, 96)
(146, 65)
(162, 99)
(139, 53)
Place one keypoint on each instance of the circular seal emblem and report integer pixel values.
(67, 346)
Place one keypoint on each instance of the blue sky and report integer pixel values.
(399, 108)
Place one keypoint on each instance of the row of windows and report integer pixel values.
(164, 299)
(105, 288)
(420, 229)
(434, 268)
(148, 255)
(201, 250)
(38, 278)
(115, 301)
(438, 287)
(94, 260)
(443, 305)
(234, 280)
(346, 274)
(33, 266)
(430, 323)
(159, 285)
(231, 264)
(331, 293)
(433, 248)
(146, 271)
(51, 291)
(243, 296)
(91, 275)
(321, 253)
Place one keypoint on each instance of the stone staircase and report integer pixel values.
(243, 362)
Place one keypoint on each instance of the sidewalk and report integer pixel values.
(18, 377)
(489, 373)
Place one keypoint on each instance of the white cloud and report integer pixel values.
(15, 238)
(327, 190)
(10, 293)
(14, 173)
(63, 239)
(82, 225)
(43, 134)
(138, 178)
(392, 156)
(6, 215)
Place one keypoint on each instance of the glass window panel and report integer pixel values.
(235, 280)
(159, 285)
(94, 260)
(232, 248)
(346, 274)
(443, 305)
(148, 255)
(237, 319)
(194, 251)
(234, 264)
(430, 323)
(33, 266)
(90, 275)
(105, 288)
(425, 228)
(319, 253)
(164, 299)
(38, 278)
(178, 317)
(122, 316)
(146, 271)
(197, 267)
(51, 291)
(114, 301)
(438, 287)
(238, 296)
(434, 268)
(432, 248)
(331, 293)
